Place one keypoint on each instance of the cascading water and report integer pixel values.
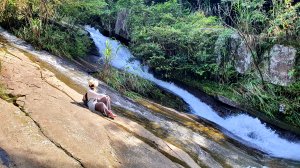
(243, 126)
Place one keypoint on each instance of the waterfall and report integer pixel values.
(249, 129)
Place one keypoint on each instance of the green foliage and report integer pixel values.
(173, 41)
(122, 81)
(285, 22)
(250, 15)
(107, 54)
(81, 11)
(16, 12)
(251, 94)
(134, 87)
(226, 70)
(268, 99)
(279, 24)
(34, 21)
(71, 44)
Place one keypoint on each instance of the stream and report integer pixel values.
(207, 146)
(250, 129)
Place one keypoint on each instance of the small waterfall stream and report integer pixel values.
(249, 129)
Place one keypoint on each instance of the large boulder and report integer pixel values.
(241, 53)
(121, 24)
(281, 62)
(234, 48)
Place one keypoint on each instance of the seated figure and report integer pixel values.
(97, 102)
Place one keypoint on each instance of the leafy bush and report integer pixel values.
(69, 43)
(284, 23)
(134, 87)
(267, 99)
(176, 42)
(81, 11)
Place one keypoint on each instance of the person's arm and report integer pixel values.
(97, 95)
(84, 99)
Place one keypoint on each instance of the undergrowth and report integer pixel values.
(134, 87)
(70, 43)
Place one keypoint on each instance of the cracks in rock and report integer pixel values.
(13, 55)
(110, 140)
(44, 79)
(34, 85)
(42, 131)
(53, 97)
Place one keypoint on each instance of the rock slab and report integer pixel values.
(53, 130)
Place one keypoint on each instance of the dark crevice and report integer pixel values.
(5, 159)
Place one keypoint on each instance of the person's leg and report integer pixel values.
(101, 107)
(106, 101)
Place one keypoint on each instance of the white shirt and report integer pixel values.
(91, 94)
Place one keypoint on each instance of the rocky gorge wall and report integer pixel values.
(277, 64)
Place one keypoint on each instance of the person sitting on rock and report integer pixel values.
(97, 102)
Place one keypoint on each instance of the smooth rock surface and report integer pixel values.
(22, 144)
(58, 132)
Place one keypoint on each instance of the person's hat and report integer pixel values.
(93, 83)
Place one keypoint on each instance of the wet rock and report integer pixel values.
(81, 131)
(281, 63)
(227, 101)
(54, 130)
(241, 53)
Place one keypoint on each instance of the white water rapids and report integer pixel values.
(243, 126)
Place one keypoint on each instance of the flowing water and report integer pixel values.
(205, 144)
(248, 128)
